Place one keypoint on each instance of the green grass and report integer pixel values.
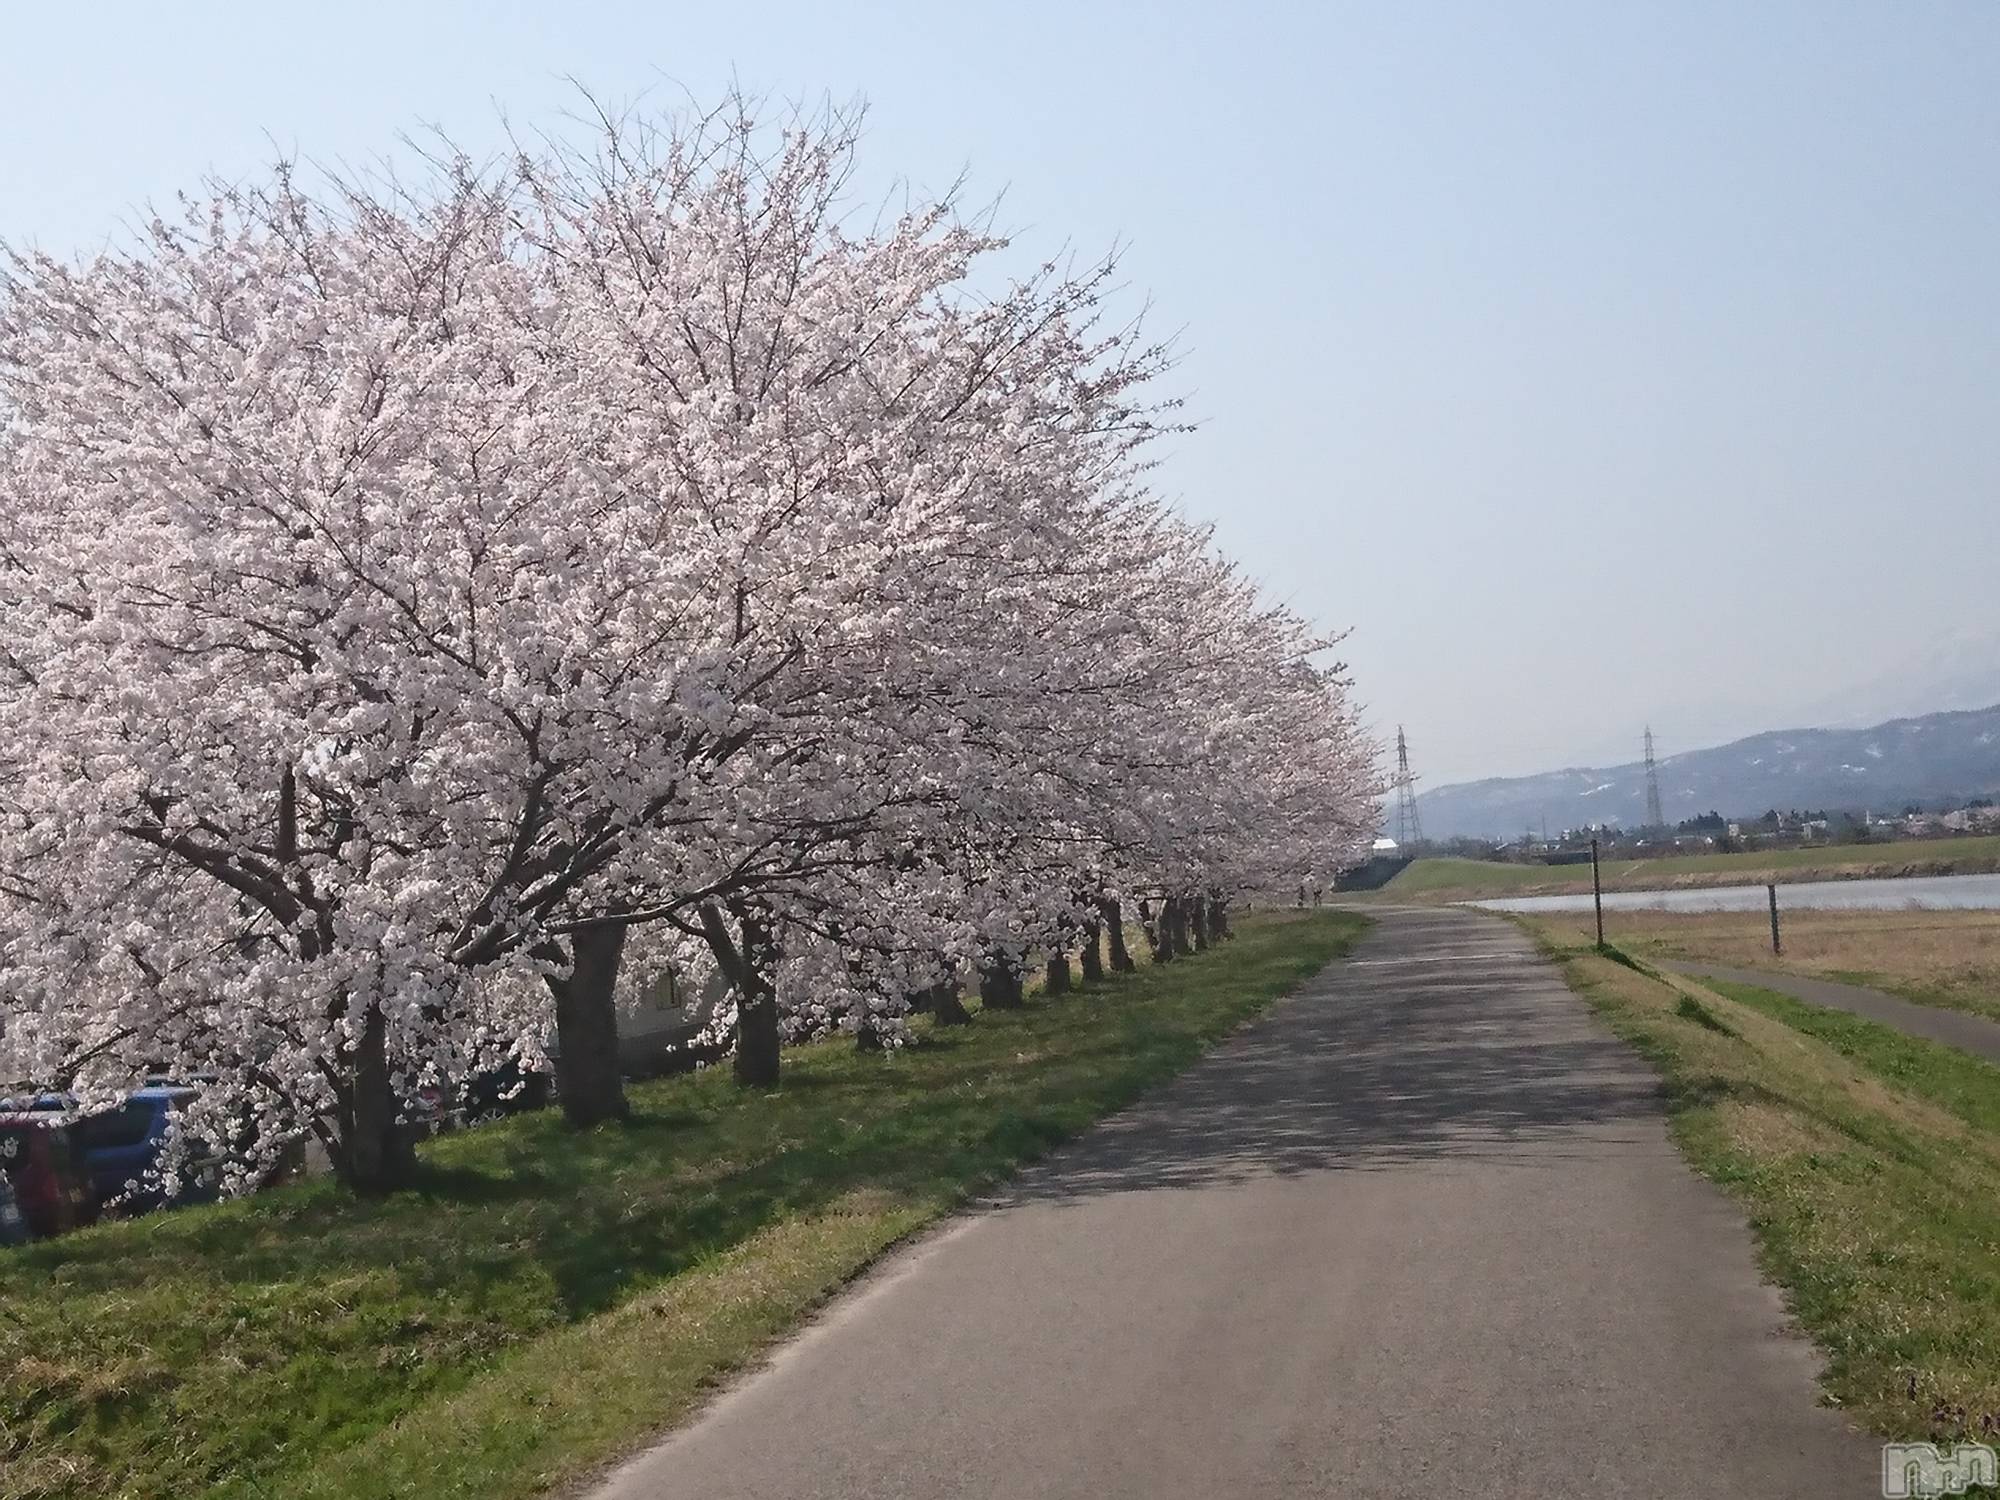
(1424, 876)
(1869, 1165)
(1473, 878)
(545, 1299)
(1967, 1086)
(1691, 1009)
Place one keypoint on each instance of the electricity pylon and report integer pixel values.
(1409, 828)
(1654, 817)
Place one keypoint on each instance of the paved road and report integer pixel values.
(1420, 1230)
(1955, 1028)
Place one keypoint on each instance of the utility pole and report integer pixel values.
(1409, 828)
(1654, 817)
(1597, 892)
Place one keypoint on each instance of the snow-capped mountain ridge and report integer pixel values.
(1924, 759)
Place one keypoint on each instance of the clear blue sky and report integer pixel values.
(1597, 362)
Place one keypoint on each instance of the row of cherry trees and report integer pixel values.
(434, 610)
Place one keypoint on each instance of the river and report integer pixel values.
(1916, 893)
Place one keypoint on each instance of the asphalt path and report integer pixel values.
(1955, 1028)
(1419, 1230)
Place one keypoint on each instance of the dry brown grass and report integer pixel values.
(1947, 958)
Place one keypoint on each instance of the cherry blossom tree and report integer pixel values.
(426, 600)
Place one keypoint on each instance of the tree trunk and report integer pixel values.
(747, 962)
(757, 1038)
(1000, 983)
(1091, 955)
(1218, 917)
(1155, 928)
(378, 1153)
(942, 1001)
(1056, 980)
(1196, 915)
(1114, 935)
(588, 1076)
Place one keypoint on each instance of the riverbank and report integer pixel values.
(1949, 959)
(1448, 880)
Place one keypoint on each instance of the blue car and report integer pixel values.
(121, 1147)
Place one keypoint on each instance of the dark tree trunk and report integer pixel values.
(1114, 936)
(942, 1001)
(1218, 918)
(1090, 957)
(1196, 917)
(1056, 980)
(1000, 983)
(378, 1152)
(1155, 928)
(748, 959)
(588, 1076)
(757, 1039)
(869, 1034)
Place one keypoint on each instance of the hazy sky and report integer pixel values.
(1595, 362)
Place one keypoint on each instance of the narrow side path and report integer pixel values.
(1419, 1230)
(1955, 1028)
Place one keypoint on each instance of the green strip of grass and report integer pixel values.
(547, 1299)
(1966, 1085)
(1423, 876)
(1869, 1164)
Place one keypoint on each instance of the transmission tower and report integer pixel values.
(1654, 817)
(1409, 828)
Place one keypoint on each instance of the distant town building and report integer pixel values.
(1972, 820)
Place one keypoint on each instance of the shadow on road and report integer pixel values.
(1444, 1037)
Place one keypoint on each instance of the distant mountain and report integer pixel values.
(1923, 759)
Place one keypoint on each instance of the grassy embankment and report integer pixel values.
(1944, 958)
(1474, 879)
(546, 1299)
(1869, 1165)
